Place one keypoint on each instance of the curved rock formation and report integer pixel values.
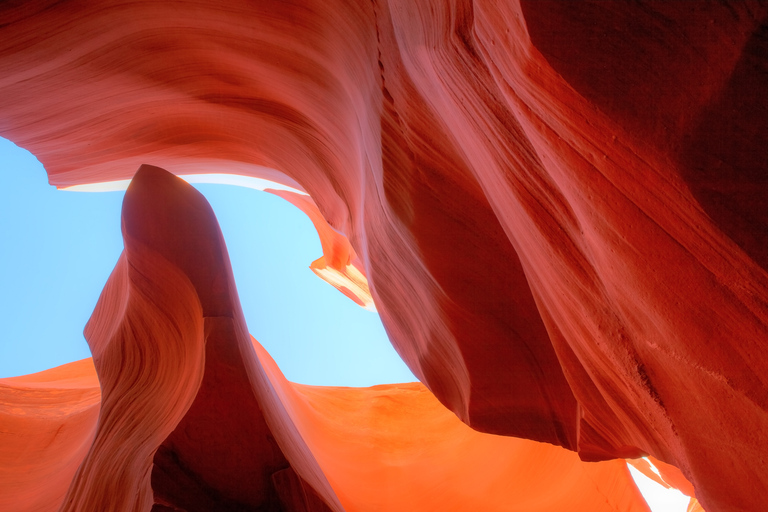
(219, 454)
(395, 447)
(339, 265)
(47, 425)
(560, 208)
(196, 416)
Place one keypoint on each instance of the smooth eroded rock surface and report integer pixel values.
(196, 416)
(559, 208)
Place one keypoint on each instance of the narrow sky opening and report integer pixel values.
(59, 247)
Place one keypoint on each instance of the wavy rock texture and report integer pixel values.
(395, 447)
(339, 265)
(47, 425)
(196, 416)
(220, 453)
(560, 207)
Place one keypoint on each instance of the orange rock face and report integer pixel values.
(559, 210)
(196, 416)
(47, 425)
(339, 264)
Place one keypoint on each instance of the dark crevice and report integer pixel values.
(178, 488)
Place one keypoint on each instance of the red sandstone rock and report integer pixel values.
(393, 438)
(395, 447)
(47, 425)
(196, 416)
(339, 265)
(221, 455)
(561, 208)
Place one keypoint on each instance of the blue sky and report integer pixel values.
(58, 248)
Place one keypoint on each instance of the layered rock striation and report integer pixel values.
(559, 209)
(194, 414)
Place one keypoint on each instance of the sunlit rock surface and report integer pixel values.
(560, 209)
(196, 416)
(47, 424)
(339, 265)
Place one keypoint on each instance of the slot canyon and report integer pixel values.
(558, 209)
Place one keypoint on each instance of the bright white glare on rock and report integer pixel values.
(658, 497)
(218, 179)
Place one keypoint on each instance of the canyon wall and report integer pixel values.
(559, 210)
